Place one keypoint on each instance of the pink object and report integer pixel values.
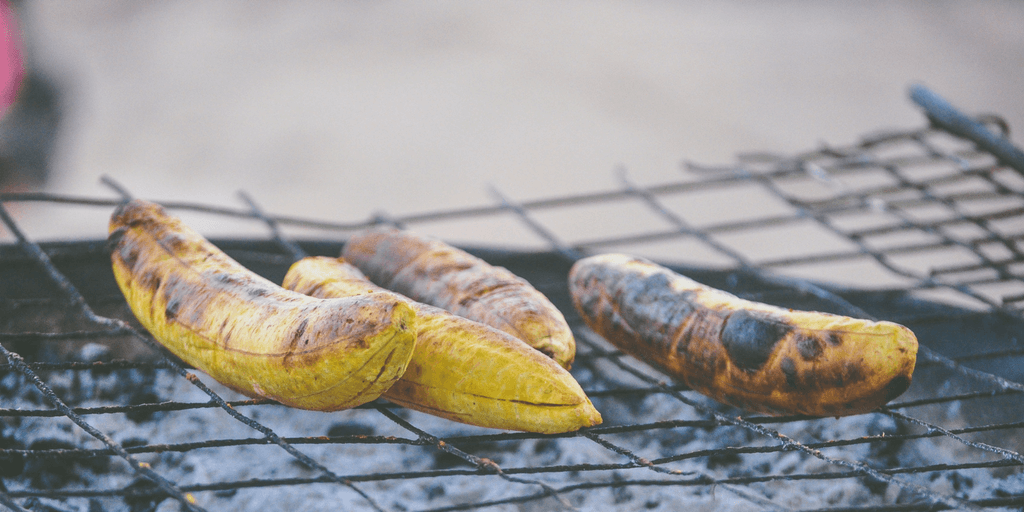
(12, 69)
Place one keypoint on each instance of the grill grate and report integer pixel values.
(935, 215)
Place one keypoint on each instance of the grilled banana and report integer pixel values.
(750, 355)
(248, 333)
(463, 370)
(433, 272)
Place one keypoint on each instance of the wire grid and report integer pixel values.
(886, 182)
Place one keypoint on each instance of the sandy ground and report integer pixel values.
(337, 110)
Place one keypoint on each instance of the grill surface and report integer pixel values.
(929, 223)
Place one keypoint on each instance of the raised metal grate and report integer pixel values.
(928, 224)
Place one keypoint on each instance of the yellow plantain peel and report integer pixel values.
(747, 354)
(248, 333)
(435, 273)
(463, 370)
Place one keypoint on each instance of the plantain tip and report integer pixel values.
(114, 239)
(896, 387)
(132, 212)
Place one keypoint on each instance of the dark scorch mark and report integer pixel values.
(114, 238)
(896, 387)
(299, 331)
(173, 305)
(834, 338)
(808, 347)
(788, 367)
(750, 339)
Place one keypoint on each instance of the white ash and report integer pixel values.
(263, 461)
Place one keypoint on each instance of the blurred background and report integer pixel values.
(340, 110)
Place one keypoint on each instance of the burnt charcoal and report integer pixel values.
(544, 446)
(132, 442)
(11, 384)
(301, 467)
(55, 472)
(877, 487)
(226, 493)
(724, 459)
(620, 494)
(144, 496)
(960, 483)
(122, 383)
(139, 397)
(445, 460)
(41, 505)
(907, 496)
(999, 492)
(350, 429)
(435, 491)
(13, 464)
(887, 452)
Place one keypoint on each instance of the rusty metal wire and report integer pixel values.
(978, 377)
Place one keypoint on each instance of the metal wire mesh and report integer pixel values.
(935, 216)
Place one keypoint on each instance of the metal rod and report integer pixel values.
(826, 164)
(166, 485)
(945, 115)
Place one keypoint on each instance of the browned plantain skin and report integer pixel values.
(435, 273)
(463, 370)
(742, 353)
(248, 333)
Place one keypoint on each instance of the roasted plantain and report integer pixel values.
(463, 370)
(435, 273)
(750, 355)
(248, 333)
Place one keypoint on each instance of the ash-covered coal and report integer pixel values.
(697, 459)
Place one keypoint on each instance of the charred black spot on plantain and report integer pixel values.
(255, 291)
(173, 305)
(149, 280)
(299, 331)
(227, 278)
(788, 367)
(685, 335)
(114, 239)
(808, 347)
(834, 338)
(750, 339)
(175, 242)
(844, 374)
(896, 387)
(129, 254)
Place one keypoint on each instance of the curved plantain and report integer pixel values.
(743, 353)
(463, 370)
(433, 272)
(248, 333)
